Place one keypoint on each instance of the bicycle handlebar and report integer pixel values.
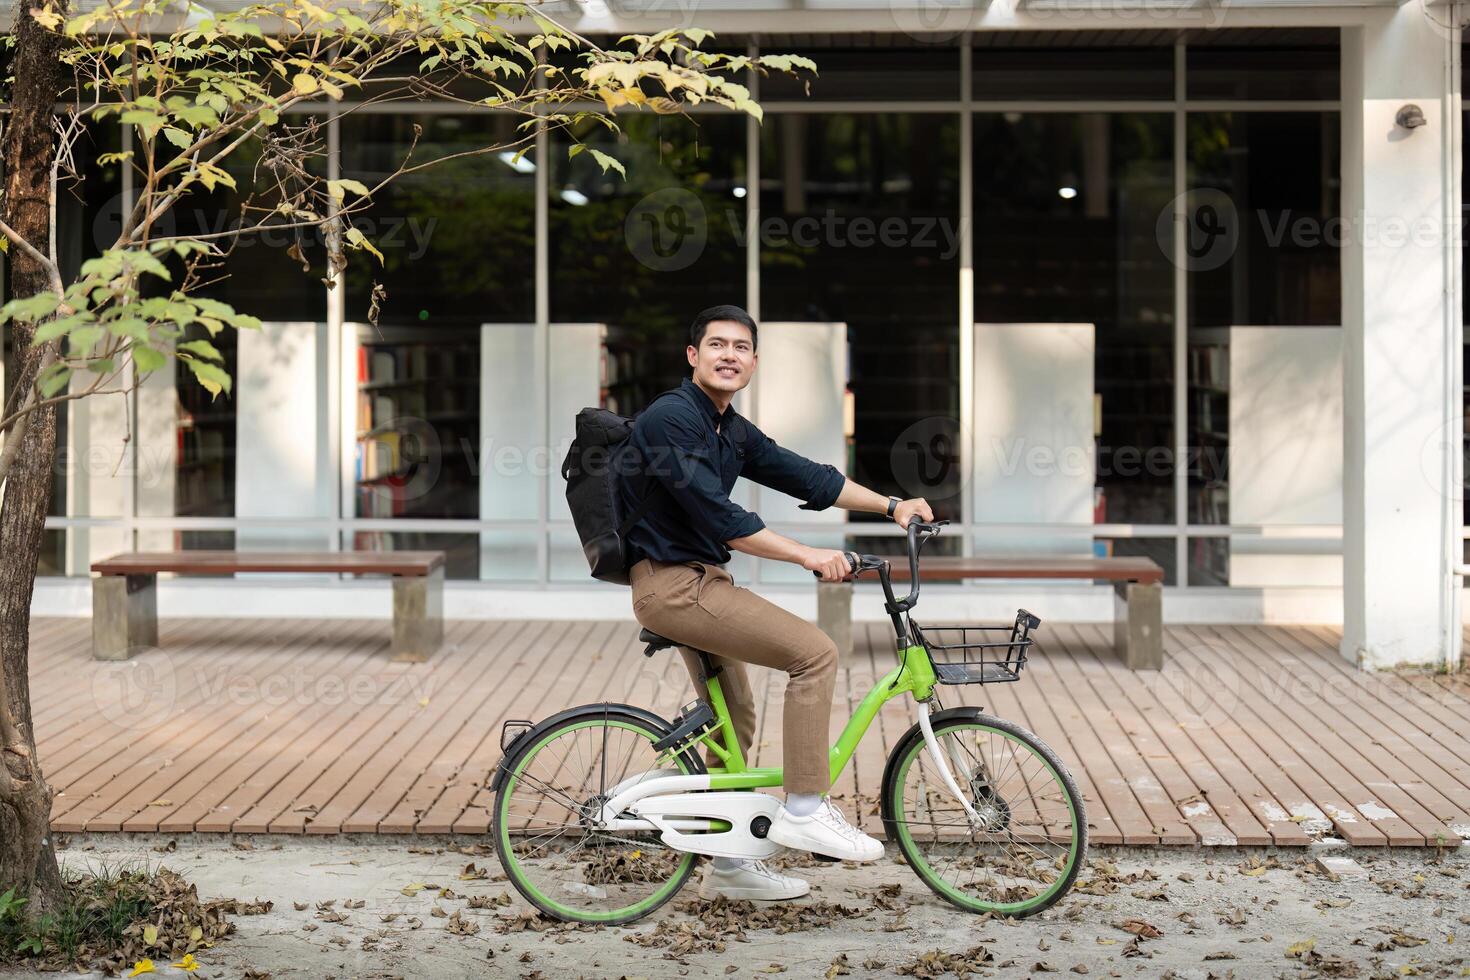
(918, 532)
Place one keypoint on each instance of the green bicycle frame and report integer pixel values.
(913, 675)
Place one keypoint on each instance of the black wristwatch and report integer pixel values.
(893, 503)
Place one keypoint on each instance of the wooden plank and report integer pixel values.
(457, 673)
(389, 808)
(1252, 726)
(1164, 817)
(579, 686)
(1032, 703)
(498, 703)
(415, 563)
(1190, 785)
(373, 729)
(1217, 754)
(1377, 796)
(138, 768)
(1402, 707)
(536, 658)
(1401, 787)
(1326, 783)
(277, 734)
(1112, 787)
(195, 770)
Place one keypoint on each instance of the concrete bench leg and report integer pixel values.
(834, 615)
(1138, 625)
(418, 615)
(124, 615)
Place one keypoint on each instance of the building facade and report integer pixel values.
(1099, 278)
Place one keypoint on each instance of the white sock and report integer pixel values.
(803, 804)
(728, 864)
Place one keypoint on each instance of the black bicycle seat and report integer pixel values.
(654, 641)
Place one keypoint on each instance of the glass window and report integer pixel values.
(274, 273)
(1307, 71)
(860, 227)
(458, 244)
(1067, 230)
(850, 74)
(458, 237)
(643, 254)
(1263, 257)
(1004, 72)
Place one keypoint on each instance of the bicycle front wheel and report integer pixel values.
(1024, 849)
(549, 789)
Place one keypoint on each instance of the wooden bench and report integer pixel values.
(125, 593)
(1138, 605)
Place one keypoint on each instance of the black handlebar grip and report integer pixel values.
(852, 564)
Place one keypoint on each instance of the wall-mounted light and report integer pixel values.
(1066, 192)
(1410, 117)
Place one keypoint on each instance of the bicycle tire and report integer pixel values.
(896, 824)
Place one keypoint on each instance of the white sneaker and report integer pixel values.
(752, 880)
(824, 832)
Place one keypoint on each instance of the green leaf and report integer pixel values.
(177, 137)
(204, 349)
(213, 378)
(574, 149)
(83, 339)
(53, 379)
(147, 359)
(149, 122)
(357, 239)
(269, 115)
(605, 162)
(30, 309)
(336, 188)
(58, 327)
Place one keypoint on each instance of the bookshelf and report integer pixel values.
(418, 431)
(204, 451)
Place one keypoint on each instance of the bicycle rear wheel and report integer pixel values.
(561, 773)
(1025, 851)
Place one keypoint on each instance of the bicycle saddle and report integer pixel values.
(654, 641)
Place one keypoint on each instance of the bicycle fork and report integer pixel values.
(941, 763)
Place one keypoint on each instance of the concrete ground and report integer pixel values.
(397, 907)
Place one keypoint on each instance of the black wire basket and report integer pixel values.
(978, 654)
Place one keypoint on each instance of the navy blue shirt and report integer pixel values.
(690, 467)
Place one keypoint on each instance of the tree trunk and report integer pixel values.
(27, 858)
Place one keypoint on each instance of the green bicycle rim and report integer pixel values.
(926, 871)
(675, 882)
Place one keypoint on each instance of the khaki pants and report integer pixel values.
(700, 607)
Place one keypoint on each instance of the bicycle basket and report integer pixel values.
(978, 654)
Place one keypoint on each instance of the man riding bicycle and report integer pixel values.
(693, 447)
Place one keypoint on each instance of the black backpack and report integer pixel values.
(597, 457)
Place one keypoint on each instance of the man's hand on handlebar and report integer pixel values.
(907, 510)
(829, 565)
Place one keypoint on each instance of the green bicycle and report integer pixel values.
(601, 810)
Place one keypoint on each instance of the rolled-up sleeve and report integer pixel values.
(678, 455)
(770, 465)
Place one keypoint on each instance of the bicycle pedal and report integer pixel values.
(693, 720)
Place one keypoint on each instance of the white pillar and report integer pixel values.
(1400, 319)
(283, 461)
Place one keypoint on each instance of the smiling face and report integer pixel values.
(725, 359)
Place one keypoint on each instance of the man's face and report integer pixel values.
(725, 358)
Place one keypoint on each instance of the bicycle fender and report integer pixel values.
(522, 741)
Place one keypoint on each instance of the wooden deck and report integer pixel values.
(1249, 735)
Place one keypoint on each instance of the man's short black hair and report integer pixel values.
(727, 312)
